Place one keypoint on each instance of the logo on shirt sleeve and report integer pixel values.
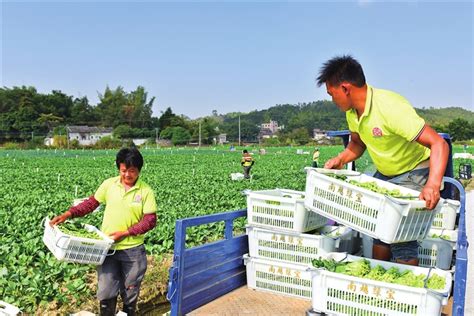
(377, 132)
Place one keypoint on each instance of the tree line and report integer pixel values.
(25, 114)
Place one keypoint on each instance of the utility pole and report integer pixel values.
(156, 137)
(239, 130)
(32, 133)
(67, 137)
(199, 133)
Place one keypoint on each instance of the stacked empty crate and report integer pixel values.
(279, 248)
(437, 249)
(375, 215)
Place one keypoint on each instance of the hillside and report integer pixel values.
(325, 115)
(443, 116)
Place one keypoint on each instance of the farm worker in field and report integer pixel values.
(405, 150)
(130, 212)
(315, 162)
(247, 163)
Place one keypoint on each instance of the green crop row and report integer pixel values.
(187, 182)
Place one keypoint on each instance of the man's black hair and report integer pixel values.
(341, 69)
(245, 151)
(131, 157)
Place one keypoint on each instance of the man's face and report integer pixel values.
(340, 96)
(128, 176)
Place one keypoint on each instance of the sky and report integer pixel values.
(196, 56)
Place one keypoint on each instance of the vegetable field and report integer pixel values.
(187, 182)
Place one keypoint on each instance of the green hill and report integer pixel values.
(443, 116)
(326, 116)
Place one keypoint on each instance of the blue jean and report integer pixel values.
(122, 273)
(415, 180)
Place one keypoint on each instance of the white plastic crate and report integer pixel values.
(438, 251)
(76, 249)
(236, 176)
(386, 218)
(432, 252)
(281, 209)
(367, 243)
(8, 309)
(446, 218)
(349, 243)
(294, 247)
(278, 277)
(347, 295)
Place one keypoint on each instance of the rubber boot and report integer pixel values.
(130, 308)
(108, 307)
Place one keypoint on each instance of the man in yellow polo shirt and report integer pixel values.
(130, 212)
(247, 163)
(405, 150)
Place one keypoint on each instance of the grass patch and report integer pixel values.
(152, 292)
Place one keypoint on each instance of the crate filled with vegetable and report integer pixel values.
(437, 249)
(288, 279)
(293, 247)
(446, 218)
(281, 209)
(74, 242)
(377, 208)
(350, 285)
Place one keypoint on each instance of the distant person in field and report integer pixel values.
(404, 149)
(130, 212)
(315, 161)
(247, 163)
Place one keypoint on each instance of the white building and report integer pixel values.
(272, 126)
(87, 135)
(266, 133)
(319, 134)
(222, 139)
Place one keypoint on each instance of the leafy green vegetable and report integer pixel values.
(436, 282)
(407, 277)
(330, 265)
(358, 268)
(77, 230)
(391, 275)
(362, 269)
(376, 273)
(447, 237)
(337, 176)
(374, 187)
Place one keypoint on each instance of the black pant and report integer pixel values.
(247, 172)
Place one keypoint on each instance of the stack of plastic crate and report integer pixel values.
(437, 249)
(381, 210)
(280, 249)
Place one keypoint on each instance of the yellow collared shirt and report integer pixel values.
(389, 128)
(125, 209)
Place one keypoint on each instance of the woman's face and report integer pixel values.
(128, 176)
